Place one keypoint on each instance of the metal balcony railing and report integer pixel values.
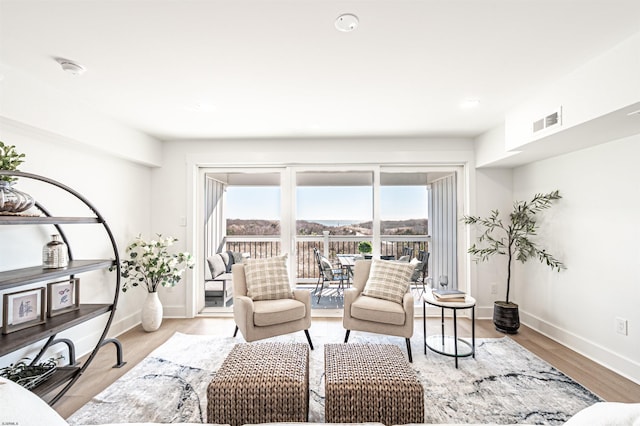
(331, 245)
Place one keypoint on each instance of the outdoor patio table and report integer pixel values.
(347, 261)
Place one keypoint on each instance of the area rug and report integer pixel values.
(504, 384)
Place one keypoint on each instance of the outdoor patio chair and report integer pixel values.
(422, 270)
(328, 274)
(390, 311)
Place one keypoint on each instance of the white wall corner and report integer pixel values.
(490, 147)
(493, 190)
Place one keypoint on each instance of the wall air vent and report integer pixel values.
(538, 125)
(553, 119)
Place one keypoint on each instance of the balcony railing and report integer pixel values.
(331, 245)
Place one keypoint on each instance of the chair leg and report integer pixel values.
(320, 293)
(346, 336)
(409, 350)
(306, 332)
(235, 332)
(317, 284)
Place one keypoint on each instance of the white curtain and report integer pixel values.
(214, 226)
(443, 230)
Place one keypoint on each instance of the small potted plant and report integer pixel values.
(149, 264)
(365, 248)
(512, 239)
(11, 200)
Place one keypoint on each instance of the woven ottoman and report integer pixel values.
(261, 383)
(370, 383)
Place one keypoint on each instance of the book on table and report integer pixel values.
(449, 295)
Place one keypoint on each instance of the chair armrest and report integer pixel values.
(244, 301)
(350, 295)
(243, 312)
(303, 296)
(407, 304)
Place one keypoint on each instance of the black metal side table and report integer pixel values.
(452, 346)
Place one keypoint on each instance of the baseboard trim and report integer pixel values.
(484, 312)
(621, 365)
(174, 312)
(122, 325)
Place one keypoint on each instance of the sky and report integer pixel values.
(353, 203)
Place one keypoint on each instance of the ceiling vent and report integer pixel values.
(553, 119)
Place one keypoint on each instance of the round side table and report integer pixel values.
(452, 346)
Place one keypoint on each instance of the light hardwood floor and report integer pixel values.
(138, 344)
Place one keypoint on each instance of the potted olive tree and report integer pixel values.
(512, 239)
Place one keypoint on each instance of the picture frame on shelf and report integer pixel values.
(23, 309)
(63, 296)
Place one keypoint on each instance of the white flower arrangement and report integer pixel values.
(150, 264)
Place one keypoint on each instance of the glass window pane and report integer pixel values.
(338, 202)
(253, 210)
(403, 210)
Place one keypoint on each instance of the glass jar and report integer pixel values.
(55, 254)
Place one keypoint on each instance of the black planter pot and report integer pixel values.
(506, 317)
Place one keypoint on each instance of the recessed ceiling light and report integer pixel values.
(347, 22)
(71, 67)
(470, 103)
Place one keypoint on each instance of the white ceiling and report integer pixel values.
(278, 68)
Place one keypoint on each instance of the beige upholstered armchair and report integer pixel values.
(260, 314)
(386, 313)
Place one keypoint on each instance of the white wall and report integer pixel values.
(594, 230)
(119, 190)
(493, 191)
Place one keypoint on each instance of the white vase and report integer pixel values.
(151, 312)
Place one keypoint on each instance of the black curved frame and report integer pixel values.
(102, 340)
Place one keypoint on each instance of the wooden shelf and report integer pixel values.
(61, 376)
(44, 220)
(34, 274)
(18, 339)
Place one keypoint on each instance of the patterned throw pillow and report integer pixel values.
(267, 279)
(388, 280)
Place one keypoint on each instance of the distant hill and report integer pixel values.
(303, 227)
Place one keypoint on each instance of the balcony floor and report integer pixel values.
(331, 298)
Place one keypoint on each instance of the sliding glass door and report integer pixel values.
(242, 215)
(400, 210)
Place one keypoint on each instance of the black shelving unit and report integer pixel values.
(55, 386)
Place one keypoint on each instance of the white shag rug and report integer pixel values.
(504, 384)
